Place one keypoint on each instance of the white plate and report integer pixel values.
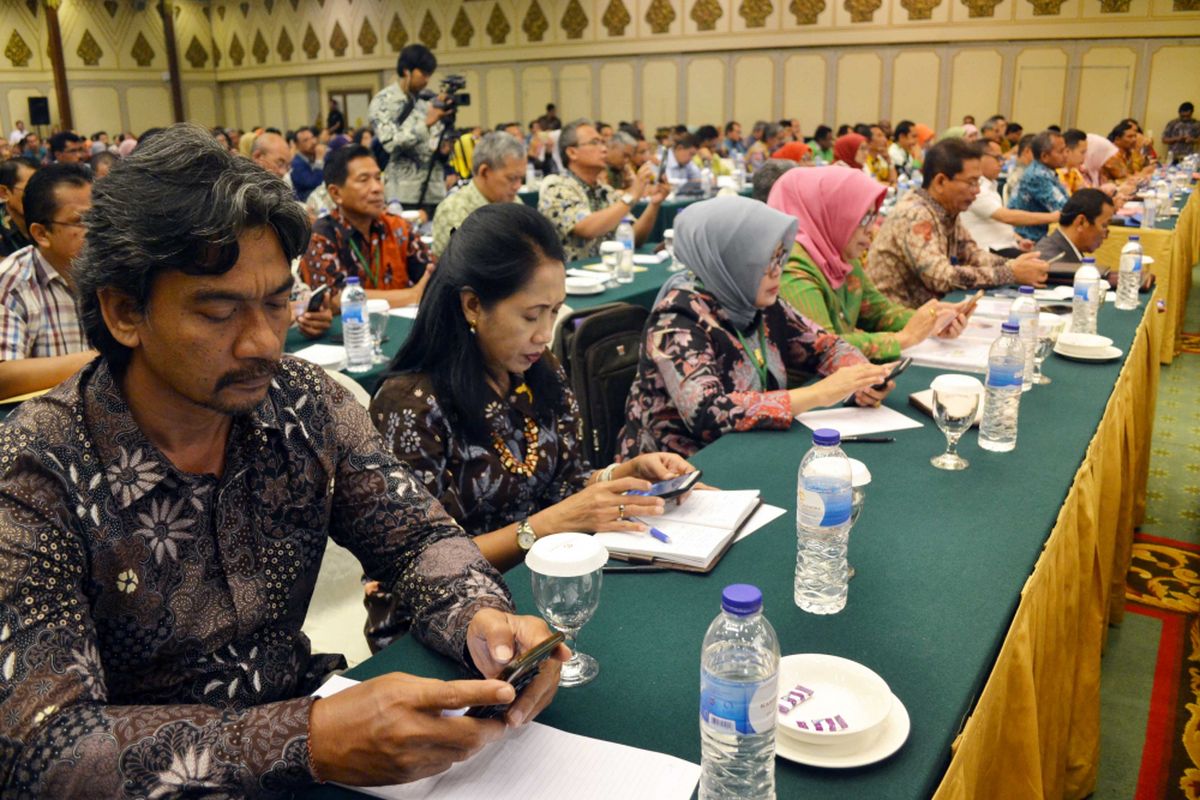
(584, 286)
(1107, 354)
(841, 689)
(892, 734)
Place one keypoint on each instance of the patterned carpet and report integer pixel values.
(1163, 585)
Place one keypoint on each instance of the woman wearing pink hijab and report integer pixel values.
(824, 279)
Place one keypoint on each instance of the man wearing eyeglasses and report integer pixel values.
(990, 224)
(586, 211)
(42, 341)
(923, 249)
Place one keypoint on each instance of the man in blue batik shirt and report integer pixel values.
(1040, 189)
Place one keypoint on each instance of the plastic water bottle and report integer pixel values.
(1129, 279)
(708, 181)
(625, 237)
(824, 503)
(1002, 391)
(530, 176)
(1083, 301)
(739, 690)
(739, 169)
(356, 327)
(1024, 312)
(902, 188)
(1149, 211)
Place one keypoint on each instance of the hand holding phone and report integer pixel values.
(520, 673)
(318, 298)
(896, 372)
(672, 488)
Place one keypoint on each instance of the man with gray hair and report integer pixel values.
(620, 151)
(271, 152)
(497, 170)
(586, 211)
(771, 170)
(163, 514)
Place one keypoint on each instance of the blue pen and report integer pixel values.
(662, 537)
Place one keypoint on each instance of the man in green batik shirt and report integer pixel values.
(497, 169)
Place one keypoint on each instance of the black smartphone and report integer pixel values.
(670, 488)
(896, 372)
(318, 298)
(519, 674)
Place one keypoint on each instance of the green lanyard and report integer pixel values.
(363, 262)
(756, 356)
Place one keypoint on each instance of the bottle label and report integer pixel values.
(1084, 291)
(352, 313)
(824, 502)
(1004, 376)
(730, 707)
(1137, 264)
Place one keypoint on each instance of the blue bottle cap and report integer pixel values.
(1010, 327)
(1089, 260)
(352, 279)
(826, 437)
(741, 599)
(1135, 238)
(1026, 290)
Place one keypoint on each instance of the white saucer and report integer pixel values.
(584, 286)
(1109, 353)
(892, 735)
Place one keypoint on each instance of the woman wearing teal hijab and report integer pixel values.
(719, 344)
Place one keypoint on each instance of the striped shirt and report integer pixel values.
(38, 315)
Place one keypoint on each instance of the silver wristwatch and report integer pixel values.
(525, 535)
(627, 199)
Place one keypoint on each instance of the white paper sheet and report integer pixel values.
(332, 356)
(650, 258)
(762, 516)
(537, 761)
(408, 312)
(854, 421)
(720, 509)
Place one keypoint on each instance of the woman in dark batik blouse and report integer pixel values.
(719, 344)
(480, 410)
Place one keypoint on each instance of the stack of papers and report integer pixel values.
(329, 356)
(968, 352)
(700, 529)
(856, 421)
(536, 760)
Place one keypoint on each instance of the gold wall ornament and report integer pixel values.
(430, 33)
(574, 20)
(284, 45)
(295, 5)
(111, 6)
(755, 12)
(1046, 8)
(981, 8)
(616, 18)
(535, 23)
(216, 55)
(196, 55)
(367, 40)
(660, 15)
(806, 11)
(498, 27)
(32, 5)
(221, 12)
(397, 36)
(1186, 5)
(1114, 6)
(259, 49)
(269, 5)
(705, 14)
(310, 44)
(462, 30)
(245, 7)
(17, 51)
(237, 53)
(338, 41)
(862, 10)
(920, 9)
(142, 52)
(89, 50)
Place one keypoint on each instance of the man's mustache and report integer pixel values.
(258, 368)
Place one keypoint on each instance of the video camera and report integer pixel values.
(452, 88)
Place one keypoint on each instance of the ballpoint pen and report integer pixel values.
(869, 439)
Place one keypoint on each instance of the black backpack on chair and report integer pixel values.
(598, 348)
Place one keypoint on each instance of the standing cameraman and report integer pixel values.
(407, 127)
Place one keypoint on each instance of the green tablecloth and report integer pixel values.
(941, 559)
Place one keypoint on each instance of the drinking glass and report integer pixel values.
(566, 570)
(669, 246)
(377, 310)
(610, 257)
(1049, 326)
(956, 401)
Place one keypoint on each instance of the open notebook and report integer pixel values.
(700, 529)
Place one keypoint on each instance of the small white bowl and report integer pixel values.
(1083, 344)
(848, 705)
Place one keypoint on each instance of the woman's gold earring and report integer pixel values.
(471, 325)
